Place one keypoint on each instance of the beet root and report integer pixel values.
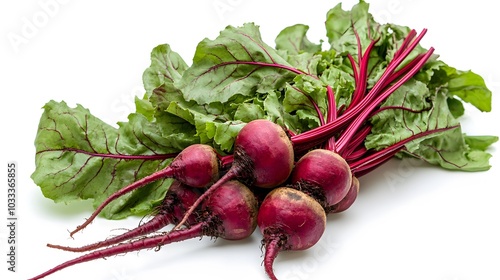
(323, 174)
(348, 200)
(289, 220)
(196, 166)
(263, 157)
(269, 151)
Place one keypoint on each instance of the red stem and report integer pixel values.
(375, 158)
(156, 223)
(167, 172)
(361, 84)
(164, 215)
(356, 141)
(354, 125)
(303, 140)
(331, 116)
(409, 38)
(356, 154)
(226, 161)
(374, 165)
(231, 174)
(145, 243)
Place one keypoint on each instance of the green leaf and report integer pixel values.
(342, 83)
(274, 106)
(293, 39)
(456, 107)
(450, 151)
(166, 66)
(409, 111)
(466, 85)
(80, 157)
(427, 111)
(297, 100)
(345, 27)
(469, 87)
(237, 62)
(247, 112)
(213, 124)
(305, 62)
(144, 107)
(480, 143)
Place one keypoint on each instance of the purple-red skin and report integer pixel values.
(348, 200)
(236, 207)
(223, 215)
(263, 157)
(182, 197)
(188, 165)
(196, 166)
(289, 220)
(324, 169)
(270, 150)
(178, 198)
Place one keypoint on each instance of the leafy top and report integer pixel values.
(236, 78)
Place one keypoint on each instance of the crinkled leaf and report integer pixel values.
(408, 116)
(299, 97)
(342, 83)
(247, 112)
(236, 62)
(293, 39)
(425, 111)
(306, 62)
(144, 107)
(466, 85)
(80, 157)
(166, 66)
(347, 30)
(471, 88)
(344, 28)
(450, 151)
(212, 124)
(296, 100)
(274, 106)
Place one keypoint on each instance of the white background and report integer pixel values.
(410, 221)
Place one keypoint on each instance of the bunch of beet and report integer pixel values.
(226, 207)
(304, 178)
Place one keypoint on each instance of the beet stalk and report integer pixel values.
(196, 166)
(178, 199)
(229, 213)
